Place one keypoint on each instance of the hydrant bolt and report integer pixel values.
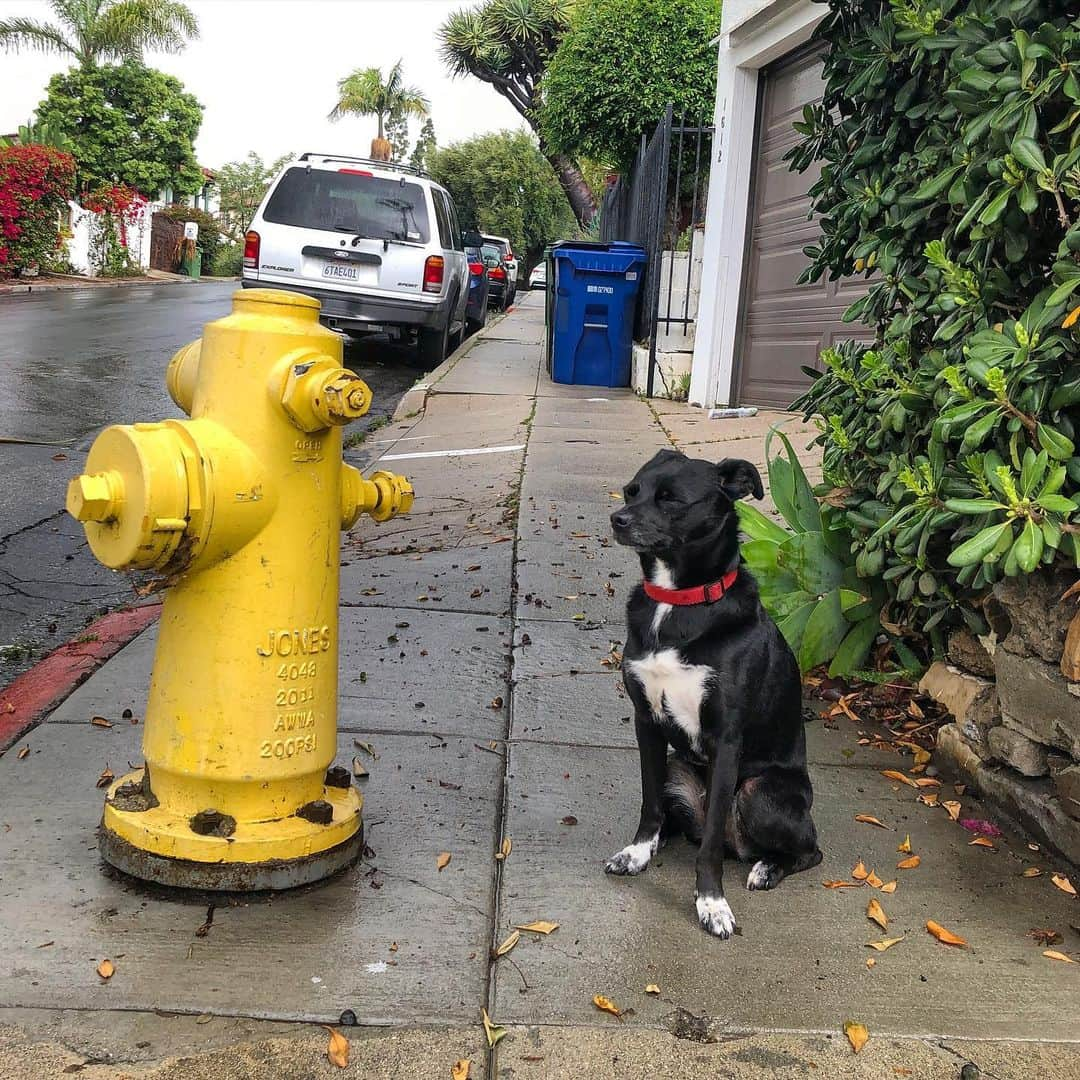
(96, 498)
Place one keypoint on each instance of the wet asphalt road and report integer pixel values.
(71, 363)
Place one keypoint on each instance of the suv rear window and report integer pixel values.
(345, 202)
(499, 245)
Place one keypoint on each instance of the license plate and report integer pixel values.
(342, 272)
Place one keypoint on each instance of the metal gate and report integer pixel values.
(657, 204)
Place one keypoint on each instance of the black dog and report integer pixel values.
(711, 676)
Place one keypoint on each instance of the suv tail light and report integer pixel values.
(508, 257)
(476, 269)
(433, 274)
(497, 272)
(251, 251)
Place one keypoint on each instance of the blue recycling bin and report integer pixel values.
(595, 297)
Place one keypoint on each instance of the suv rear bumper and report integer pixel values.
(347, 311)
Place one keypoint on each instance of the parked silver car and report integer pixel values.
(377, 243)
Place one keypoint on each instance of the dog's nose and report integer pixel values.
(621, 519)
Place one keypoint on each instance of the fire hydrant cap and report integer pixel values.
(133, 497)
(280, 297)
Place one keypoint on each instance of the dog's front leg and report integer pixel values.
(713, 910)
(652, 749)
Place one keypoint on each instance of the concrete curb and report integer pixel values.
(38, 691)
(92, 283)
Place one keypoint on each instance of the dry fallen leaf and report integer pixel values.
(873, 880)
(337, 1050)
(953, 808)
(926, 781)
(889, 887)
(100, 721)
(508, 944)
(1031, 871)
(856, 1034)
(909, 863)
(895, 774)
(881, 946)
(1063, 883)
(505, 849)
(607, 1005)
(943, 935)
(1053, 954)
(875, 913)
(870, 962)
(1044, 936)
(867, 820)
(652, 988)
(541, 926)
(460, 1069)
(358, 768)
(443, 860)
(860, 872)
(106, 778)
(106, 968)
(905, 847)
(981, 841)
(23, 752)
(492, 1030)
(842, 884)
(930, 799)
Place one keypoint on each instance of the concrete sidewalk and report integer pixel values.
(477, 660)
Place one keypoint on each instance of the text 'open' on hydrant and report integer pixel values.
(240, 509)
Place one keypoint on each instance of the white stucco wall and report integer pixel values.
(78, 246)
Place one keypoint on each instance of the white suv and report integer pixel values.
(510, 263)
(378, 244)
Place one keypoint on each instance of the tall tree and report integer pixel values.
(365, 93)
(127, 123)
(397, 134)
(425, 146)
(242, 185)
(508, 43)
(618, 67)
(92, 31)
(502, 184)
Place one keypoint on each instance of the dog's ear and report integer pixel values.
(739, 478)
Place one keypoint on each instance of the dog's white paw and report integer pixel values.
(762, 876)
(714, 914)
(633, 858)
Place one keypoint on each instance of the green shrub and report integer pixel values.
(210, 240)
(228, 261)
(950, 141)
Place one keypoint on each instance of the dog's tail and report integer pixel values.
(684, 797)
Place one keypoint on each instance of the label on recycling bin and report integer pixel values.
(631, 275)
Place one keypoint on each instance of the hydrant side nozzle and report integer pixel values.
(382, 496)
(183, 373)
(395, 495)
(320, 393)
(97, 497)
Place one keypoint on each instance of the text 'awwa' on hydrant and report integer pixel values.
(240, 509)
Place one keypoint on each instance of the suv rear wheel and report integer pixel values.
(433, 345)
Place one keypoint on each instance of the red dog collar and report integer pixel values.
(699, 594)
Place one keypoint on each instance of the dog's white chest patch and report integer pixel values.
(674, 688)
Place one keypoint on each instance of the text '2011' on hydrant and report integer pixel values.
(240, 509)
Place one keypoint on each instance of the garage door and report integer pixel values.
(783, 325)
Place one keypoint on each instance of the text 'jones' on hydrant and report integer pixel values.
(239, 508)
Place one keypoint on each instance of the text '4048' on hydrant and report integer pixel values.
(240, 509)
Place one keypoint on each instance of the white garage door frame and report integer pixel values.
(768, 35)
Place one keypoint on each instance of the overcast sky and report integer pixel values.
(266, 73)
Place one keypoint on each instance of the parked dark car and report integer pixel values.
(479, 289)
(497, 279)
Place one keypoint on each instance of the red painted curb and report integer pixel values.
(47, 683)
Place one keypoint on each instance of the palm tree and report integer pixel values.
(94, 30)
(508, 43)
(363, 93)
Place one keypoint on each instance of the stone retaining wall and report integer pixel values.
(1016, 734)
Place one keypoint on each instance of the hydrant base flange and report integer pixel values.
(273, 875)
(156, 844)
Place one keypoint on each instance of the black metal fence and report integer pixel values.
(658, 204)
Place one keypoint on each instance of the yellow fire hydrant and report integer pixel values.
(239, 510)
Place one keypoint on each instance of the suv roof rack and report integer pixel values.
(390, 166)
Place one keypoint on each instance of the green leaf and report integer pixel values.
(794, 625)
(825, 630)
(761, 556)
(849, 599)
(1028, 548)
(853, 650)
(1054, 443)
(1057, 504)
(805, 506)
(973, 506)
(975, 434)
(996, 207)
(815, 568)
(979, 546)
(1028, 152)
(757, 526)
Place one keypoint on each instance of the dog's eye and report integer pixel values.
(631, 490)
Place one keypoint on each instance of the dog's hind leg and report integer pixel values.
(774, 817)
(684, 799)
